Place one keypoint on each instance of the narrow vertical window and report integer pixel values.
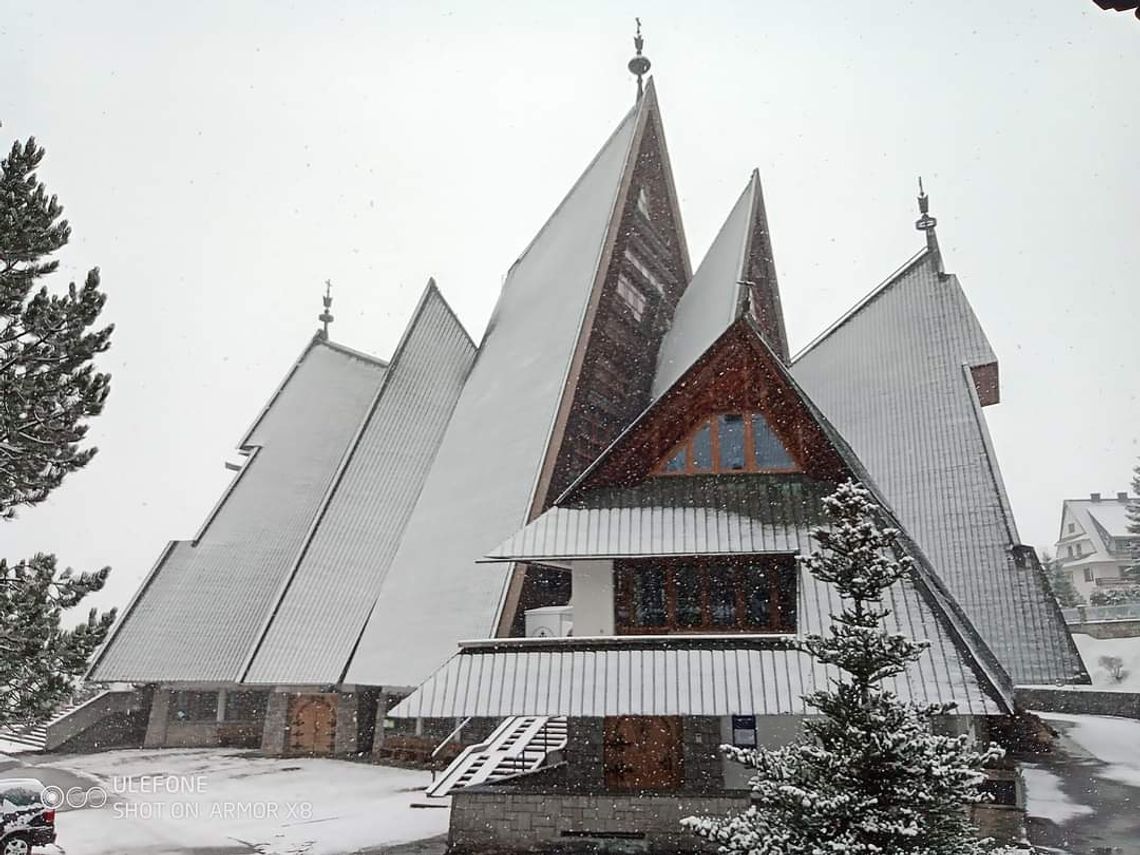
(730, 433)
(632, 297)
(649, 606)
(722, 597)
(757, 597)
(687, 581)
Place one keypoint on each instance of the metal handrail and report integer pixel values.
(447, 738)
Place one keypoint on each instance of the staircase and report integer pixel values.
(519, 745)
(33, 737)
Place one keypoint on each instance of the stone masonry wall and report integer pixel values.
(276, 723)
(515, 822)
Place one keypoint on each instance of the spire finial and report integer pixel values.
(326, 317)
(925, 222)
(639, 65)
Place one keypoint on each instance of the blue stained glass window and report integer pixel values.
(702, 449)
(677, 461)
(770, 452)
(730, 433)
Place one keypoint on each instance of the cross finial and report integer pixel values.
(639, 65)
(326, 317)
(925, 222)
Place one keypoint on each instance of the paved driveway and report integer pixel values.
(1092, 801)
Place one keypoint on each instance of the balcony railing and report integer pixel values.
(1099, 614)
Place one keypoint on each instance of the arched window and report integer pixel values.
(729, 442)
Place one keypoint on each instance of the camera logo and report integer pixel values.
(73, 797)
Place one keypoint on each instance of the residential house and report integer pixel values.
(1095, 547)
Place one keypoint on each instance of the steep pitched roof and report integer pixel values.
(1098, 521)
(894, 376)
(200, 608)
(616, 509)
(741, 251)
(485, 479)
(325, 601)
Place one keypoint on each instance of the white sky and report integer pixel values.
(220, 160)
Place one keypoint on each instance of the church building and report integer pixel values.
(628, 463)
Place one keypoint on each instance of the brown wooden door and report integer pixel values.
(642, 753)
(312, 724)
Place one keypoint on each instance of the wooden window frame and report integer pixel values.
(713, 424)
(783, 585)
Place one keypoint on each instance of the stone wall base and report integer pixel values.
(513, 822)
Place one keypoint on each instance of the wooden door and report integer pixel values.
(312, 724)
(643, 753)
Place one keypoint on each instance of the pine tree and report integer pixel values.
(869, 776)
(1061, 583)
(48, 385)
(48, 390)
(40, 660)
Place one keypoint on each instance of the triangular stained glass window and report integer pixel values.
(769, 451)
(729, 442)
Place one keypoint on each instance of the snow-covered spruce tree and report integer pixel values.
(869, 777)
(1061, 583)
(48, 389)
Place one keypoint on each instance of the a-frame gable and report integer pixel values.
(739, 373)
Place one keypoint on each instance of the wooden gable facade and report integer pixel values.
(739, 375)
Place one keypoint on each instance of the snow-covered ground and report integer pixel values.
(1113, 741)
(223, 801)
(1082, 796)
(1044, 797)
(1128, 649)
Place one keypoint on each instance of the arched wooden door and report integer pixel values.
(312, 724)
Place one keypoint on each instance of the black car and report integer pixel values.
(25, 821)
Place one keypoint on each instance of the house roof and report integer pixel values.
(324, 602)
(484, 480)
(892, 376)
(712, 300)
(1098, 521)
(199, 610)
(670, 516)
(670, 675)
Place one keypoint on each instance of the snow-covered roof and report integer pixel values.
(712, 299)
(200, 609)
(1098, 521)
(687, 675)
(691, 515)
(325, 601)
(893, 377)
(483, 482)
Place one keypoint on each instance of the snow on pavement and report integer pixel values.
(223, 801)
(1113, 741)
(1044, 797)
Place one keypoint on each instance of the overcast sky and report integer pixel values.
(219, 161)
